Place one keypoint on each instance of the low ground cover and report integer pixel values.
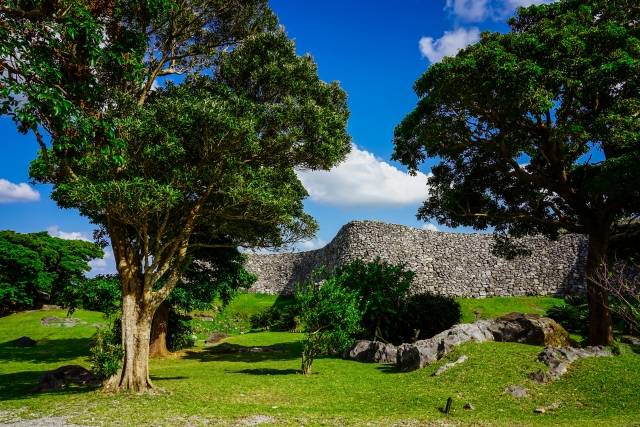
(218, 385)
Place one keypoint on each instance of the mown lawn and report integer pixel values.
(210, 387)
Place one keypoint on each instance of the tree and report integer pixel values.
(207, 160)
(330, 315)
(520, 122)
(34, 266)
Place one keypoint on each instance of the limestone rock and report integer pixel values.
(70, 374)
(517, 391)
(23, 342)
(628, 339)
(66, 322)
(380, 352)
(469, 407)
(527, 328)
(418, 355)
(446, 366)
(558, 358)
(370, 351)
(216, 337)
(357, 351)
(539, 377)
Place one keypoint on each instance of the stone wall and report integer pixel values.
(455, 264)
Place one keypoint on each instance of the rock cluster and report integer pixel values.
(66, 322)
(454, 264)
(523, 328)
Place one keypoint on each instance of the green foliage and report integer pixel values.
(573, 314)
(282, 319)
(106, 350)
(381, 288)
(101, 293)
(422, 316)
(179, 332)
(37, 266)
(330, 315)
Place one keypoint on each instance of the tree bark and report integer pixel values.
(600, 322)
(158, 344)
(136, 332)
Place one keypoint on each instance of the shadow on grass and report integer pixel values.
(389, 369)
(46, 351)
(21, 385)
(238, 353)
(265, 371)
(157, 378)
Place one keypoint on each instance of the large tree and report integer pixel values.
(164, 170)
(538, 131)
(211, 158)
(36, 267)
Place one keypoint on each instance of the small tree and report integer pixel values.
(518, 121)
(329, 314)
(34, 266)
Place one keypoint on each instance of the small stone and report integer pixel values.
(517, 391)
(469, 407)
(539, 411)
(539, 377)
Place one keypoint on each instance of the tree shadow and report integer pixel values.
(388, 369)
(46, 351)
(265, 371)
(21, 385)
(227, 352)
(158, 378)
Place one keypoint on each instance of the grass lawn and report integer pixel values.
(212, 387)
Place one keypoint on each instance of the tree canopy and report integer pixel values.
(538, 131)
(36, 267)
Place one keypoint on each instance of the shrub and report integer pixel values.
(106, 351)
(179, 331)
(573, 314)
(276, 319)
(422, 316)
(330, 315)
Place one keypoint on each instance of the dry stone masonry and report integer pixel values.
(455, 264)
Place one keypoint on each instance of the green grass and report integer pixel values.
(493, 307)
(227, 389)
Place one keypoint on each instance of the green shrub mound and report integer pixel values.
(279, 319)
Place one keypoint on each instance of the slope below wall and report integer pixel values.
(455, 264)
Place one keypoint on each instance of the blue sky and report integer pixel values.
(376, 49)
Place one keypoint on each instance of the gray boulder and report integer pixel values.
(65, 322)
(380, 352)
(558, 358)
(370, 351)
(446, 366)
(527, 328)
(70, 374)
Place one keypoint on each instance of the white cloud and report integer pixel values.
(104, 265)
(73, 235)
(16, 193)
(481, 10)
(310, 245)
(363, 181)
(430, 227)
(449, 44)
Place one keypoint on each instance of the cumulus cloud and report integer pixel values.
(103, 266)
(449, 44)
(363, 181)
(16, 193)
(430, 227)
(72, 235)
(481, 10)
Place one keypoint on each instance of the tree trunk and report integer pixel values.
(158, 344)
(307, 360)
(600, 323)
(136, 332)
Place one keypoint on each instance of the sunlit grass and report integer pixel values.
(219, 388)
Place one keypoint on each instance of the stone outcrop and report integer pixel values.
(558, 358)
(441, 370)
(514, 327)
(370, 351)
(65, 322)
(70, 374)
(454, 264)
(23, 342)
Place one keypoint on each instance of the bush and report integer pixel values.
(573, 314)
(422, 316)
(106, 351)
(179, 331)
(276, 319)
